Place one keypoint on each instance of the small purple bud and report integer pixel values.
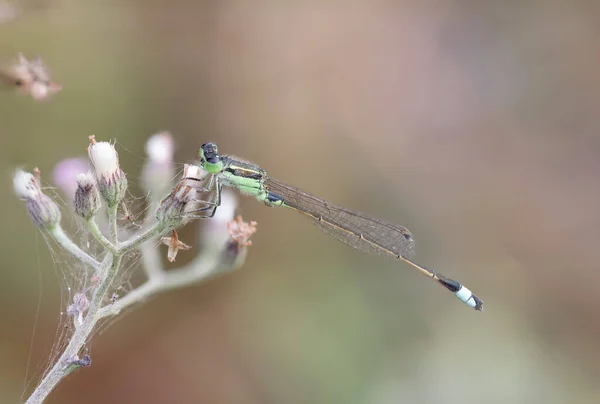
(65, 174)
(84, 362)
(87, 196)
(80, 305)
(44, 212)
(73, 363)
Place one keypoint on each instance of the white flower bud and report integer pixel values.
(25, 184)
(111, 180)
(87, 196)
(159, 148)
(158, 171)
(104, 158)
(44, 212)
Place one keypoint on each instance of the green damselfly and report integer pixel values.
(363, 232)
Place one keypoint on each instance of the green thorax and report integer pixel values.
(244, 176)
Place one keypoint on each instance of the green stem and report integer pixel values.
(155, 230)
(97, 233)
(112, 220)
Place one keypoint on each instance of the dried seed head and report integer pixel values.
(32, 77)
(111, 180)
(87, 196)
(44, 212)
(173, 210)
(174, 244)
(241, 231)
(236, 249)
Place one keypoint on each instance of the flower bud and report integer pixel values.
(111, 180)
(157, 173)
(44, 212)
(87, 196)
(74, 362)
(80, 305)
(65, 174)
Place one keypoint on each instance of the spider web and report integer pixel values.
(71, 277)
(74, 277)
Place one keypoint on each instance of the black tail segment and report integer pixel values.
(461, 292)
(455, 286)
(449, 284)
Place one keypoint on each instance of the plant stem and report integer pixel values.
(108, 270)
(205, 266)
(97, 233)
(59, 235)
(124, 247)
(112, 220)
(155, 230)
(150, 256)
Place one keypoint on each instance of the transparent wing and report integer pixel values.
(363, 232)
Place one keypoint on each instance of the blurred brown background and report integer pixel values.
(474, 123)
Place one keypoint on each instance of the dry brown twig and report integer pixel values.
(30, 77)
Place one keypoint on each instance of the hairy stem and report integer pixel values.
(108, 270)
(127, 246)
(112, 219)
(97, 233)
(135, 242)
(151, 259)
(200, 269)
(59, 235)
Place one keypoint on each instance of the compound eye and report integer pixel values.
(210, 147)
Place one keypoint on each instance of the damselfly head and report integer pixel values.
(209, 153)
(210, 159)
